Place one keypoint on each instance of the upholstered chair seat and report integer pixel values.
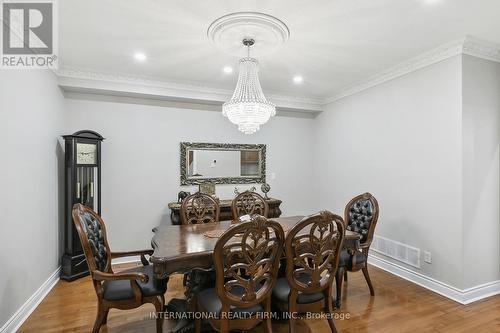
(209, 302)
(346, 259)
(118, 290)
(282, 290)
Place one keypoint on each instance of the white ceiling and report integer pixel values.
(333, 43)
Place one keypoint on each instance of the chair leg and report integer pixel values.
(197, 319)
(224, 321)
(105, 321)
(338, 284)
(292, 308)
(197, 325)
(267, 310)
(159, 305)
(329, 309)
(163, 302)
(368, 281)
(100, 318)
(224, 325)
(345, 276)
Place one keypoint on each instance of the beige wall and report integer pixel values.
(31, 119)
(401, 141)
(481, 199)
(427, 146)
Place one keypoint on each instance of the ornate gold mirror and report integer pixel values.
(222, 163)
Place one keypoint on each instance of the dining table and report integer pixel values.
(188, 249)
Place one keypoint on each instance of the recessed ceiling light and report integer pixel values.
(228, 69)
(139, 56)
(298, 79)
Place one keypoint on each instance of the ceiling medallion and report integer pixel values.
(248, 107)
(227, 32)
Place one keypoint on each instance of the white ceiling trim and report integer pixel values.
(468, 45)
(84, 81)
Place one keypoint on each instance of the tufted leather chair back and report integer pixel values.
(361, 216)
(312, 251)
(92, 233)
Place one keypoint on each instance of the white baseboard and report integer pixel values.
(477, 293)
(462, 296)
(13, 324)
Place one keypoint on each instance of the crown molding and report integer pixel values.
(77, 80)
(481, 49)
(468, 45)
(426, 59)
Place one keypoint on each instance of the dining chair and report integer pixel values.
(312, 250)
(246, 259)
(124, 290)
(249, 203)
(199, 208)
(361, 215)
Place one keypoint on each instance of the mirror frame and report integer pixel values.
(185, 146)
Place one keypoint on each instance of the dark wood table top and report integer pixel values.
(181, 248)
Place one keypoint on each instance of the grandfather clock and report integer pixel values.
(83, 185)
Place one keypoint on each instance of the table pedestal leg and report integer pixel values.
(196, 281)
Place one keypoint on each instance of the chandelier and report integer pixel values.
(248, 108)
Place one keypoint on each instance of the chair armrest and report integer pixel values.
(101, 276)
(351, 245)
(141, 253)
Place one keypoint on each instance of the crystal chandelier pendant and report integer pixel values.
(248, 107)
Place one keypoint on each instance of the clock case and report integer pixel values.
(82, 185)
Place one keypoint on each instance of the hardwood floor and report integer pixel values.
(398, 306)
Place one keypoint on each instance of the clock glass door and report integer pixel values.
(86, 186)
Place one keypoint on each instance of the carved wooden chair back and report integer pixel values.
(199, 208)
(361, 216)
(312, 250)
(92, 232)
(249, 203)
(246, 259)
